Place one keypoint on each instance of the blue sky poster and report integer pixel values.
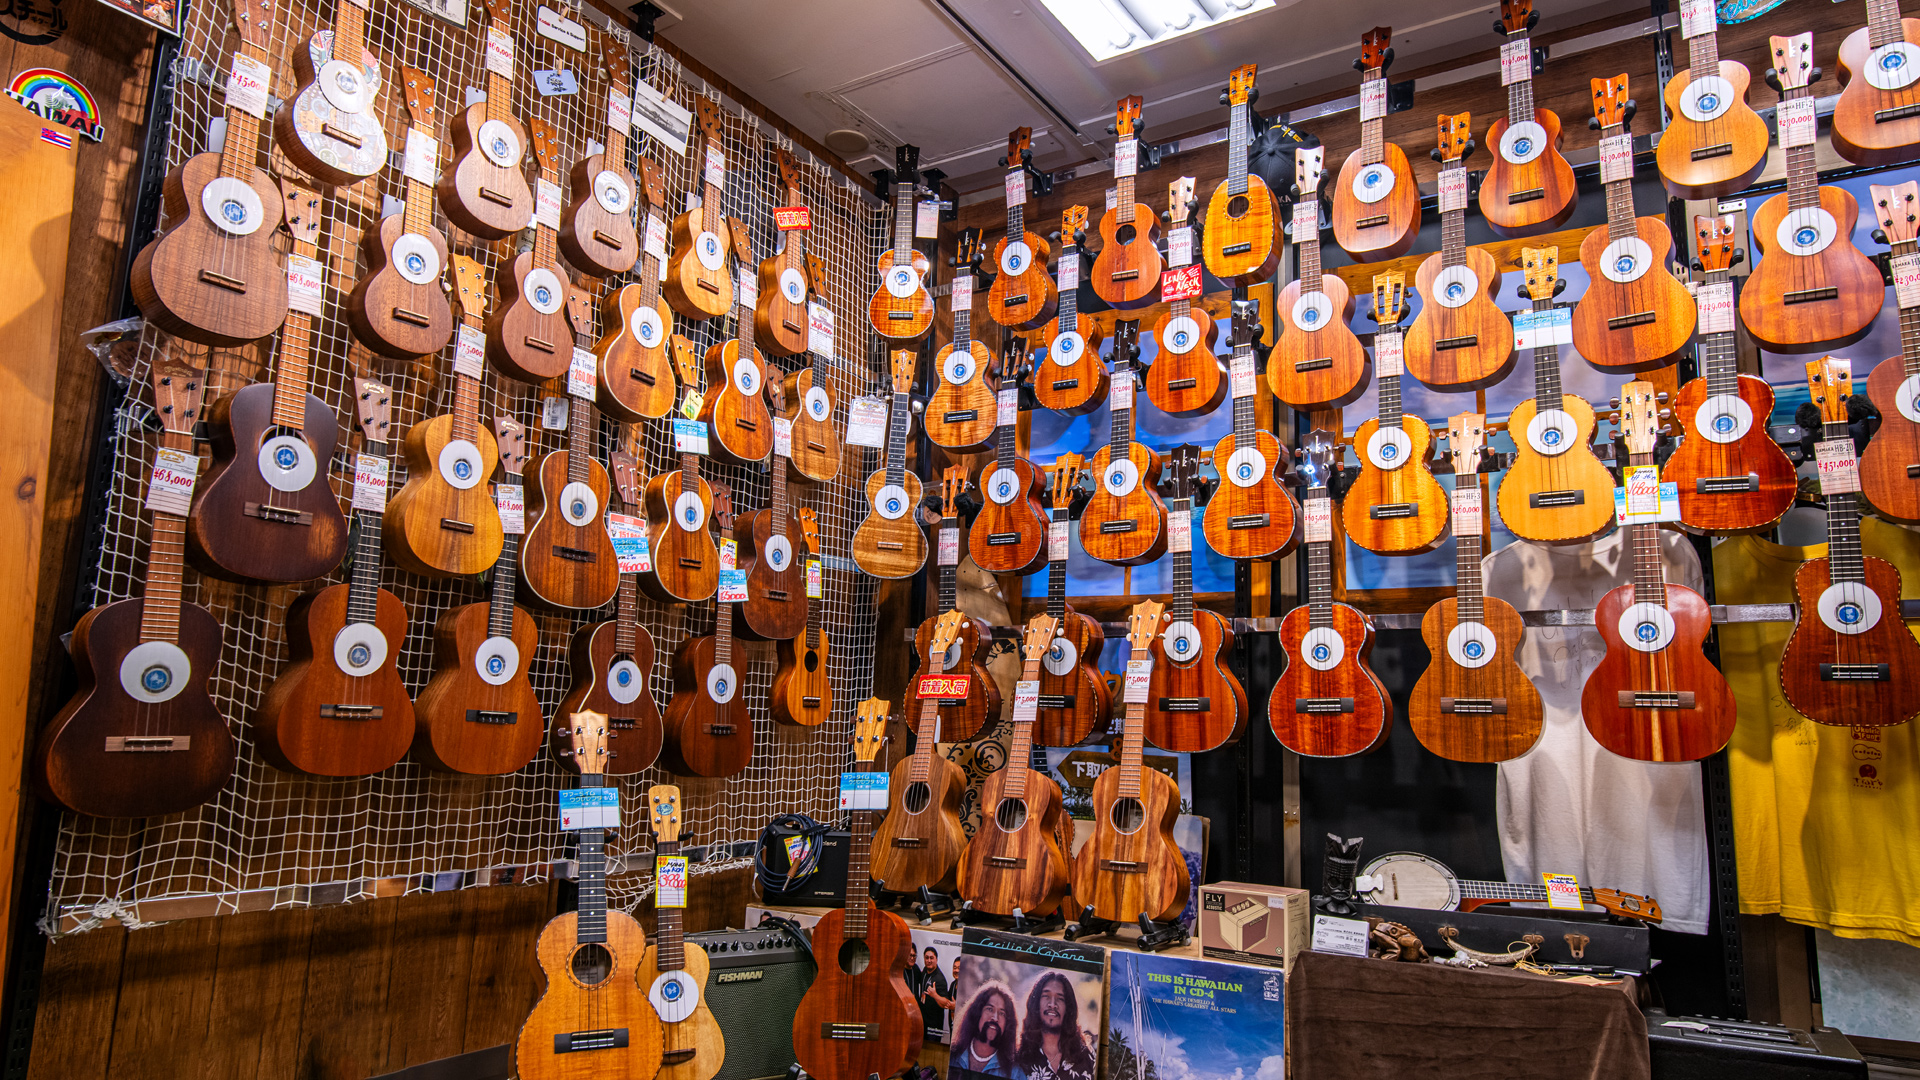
(1174, 1018)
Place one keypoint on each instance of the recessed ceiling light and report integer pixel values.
(847, 142)
(1110, 28)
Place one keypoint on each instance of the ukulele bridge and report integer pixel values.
(849, 1032)
(675, 1057)
(792, 327)
(1013, 300)
(641, 376)
(1465, 341)
(340, 135)
(1318, 364)
(1066, 384)
(1726, 485)
(1237, 249)
(1122, 866)
(622, 723)
(1186, 704)
(415, 318)
(1515, 198)
(1913, 472)
(456, 525)
(1856, 672)
(351, 712)
(1389, 511)
(573, 1042)
(810, 702)
(1548, 500)
(1007, 862)
(908, 842)
(1898, 112)
(1182, 384)
(1474, 706)
(492, 716)
(1249, 521)
(1123, 275)
(148, 744)
(1370, 222)
(1638, 318)
(1703, 153)
(1109, 528)
(1055, 701)
(223, 281)
(776, 594)
(572, 554)
(743, 422)
(960, 417)
(1656, 699)
(718, 729)
(900, 316)
(1808, 296)
(1317, 706)
(537, 343)
(610, 241)
(1002, 539)
(707, 285)
(495, 197)
(279, 515)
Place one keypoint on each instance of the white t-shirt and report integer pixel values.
(1568, 806)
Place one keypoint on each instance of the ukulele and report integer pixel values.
(1130, 866)
(1328, 702)
(888, 542)
(1409, 879)
(1009, 534)
(1395, 507)
(1126, 273)
(780, 316)
(266, 511)
(1185, 379)
(816, 445)
(1529, 188)
(960, 415)
(966, 715)
(611, 663)
(1461, 340)
(1074, 697)
(1317, 362)
(1194, 703)
(142, 737)
(698, 285)
(1075, 379)
(1812, 290)
(1635, 315)
(1874, 122)
(1125, 523)
(1852, 660)
(920, 841)
(339, 708)
(486, 192)
(478, 714)
(596, 229)
(635, 377)
(776, 606)
(1014, 864)
(1251, 514)
(1654, 696)
(902, 308)
(1022, 296)
(736, 417)
(213, 276)
(1892, 460)
(858, 1019)
(527, 330)
(1714, 144)
(708, 729)
(1731, 475)
(1556, 490)
(674, 970)
(1376, 201)
(685, 564)
(1239, 246)
(331, 129)
(398, 307)
(569, 561)
(591, 1006)
(1473, 703)
(443, 523)
(802, 692)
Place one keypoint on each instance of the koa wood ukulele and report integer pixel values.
(478, 714)
(1852, 659)
(1126, 273)
(1395, 507)
(1877, 119)
(331, 129)
(1461, 340)
(1022, 296)
(142, 737)
(858, 1019)
(1890, 468)
(636, 371)
(1126, 522)
(592, 1019)
(1185, 379)
(1317, 362)
(1130, 866)
(1251, 514)
(1072, 380)
(733, 409)
(398, 308)
(920, 841)
(569, 561)
(816, 442)
(685, 564)
(1473, 703)
(1194, 703)
(698, 285)
(1239, 246)
(1328, 702)
(708, 729)
(1009, 534)
(975, 708)
(960, 414)
(776, 605)
(675, 970)
(444, 522)
(902, 307)
(267, 511)
(485, 192)
(1811, 290)
(1731, 475)
(802, 691)
(780, 313)
(1529, 188)
(1715, 144)
(339, 708)
(213, 276)
(1074, 697)
(1013, 864)
(888, 542)
(1654, 696)
(1376, 202)
(596, 229)
(527, 329)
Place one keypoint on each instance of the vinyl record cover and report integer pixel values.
(932, 978)
(1173, 1018)
(1026, 1008)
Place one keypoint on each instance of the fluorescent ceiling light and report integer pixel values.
(1110, 28)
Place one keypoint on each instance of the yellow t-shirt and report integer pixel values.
(1826, 819)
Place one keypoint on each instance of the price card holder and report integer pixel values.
(814, 591)
(1318, 514)
(1057, 540)
(1179, 531)
(867, 423)
(1563, 892)
(1536, 329)
(1715, 301)
(926, 219)
(1180, 247)
(1839, 472)
(1797, 122)
(782, 437)
(306, 284)
(863, 791)
(170, 486)
(1389, 354)
(1139, 675)
(733, 587)
(1644, 499)
(1017, 187)
(370, 483)
(949, 553)
(1516, 61)
(553, 414)
(1241, 377)
(1342, 937)
(630, 543)
(670, 881)
(581, 373)
(819, 328)
(1469, 513)
(1026, 701)
(1906, 280)
(1373, 100)
(512, 501)
(546, 203)
(589, 808)
(422, 160)
(1453, 189)
(689, 436)
(1616, 158)
(470, 353)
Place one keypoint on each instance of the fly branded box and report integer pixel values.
(1255, 924)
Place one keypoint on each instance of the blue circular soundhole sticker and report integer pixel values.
(285, 457)
(1389, 452)
(1180, 646)
(720, 686)
(543, 296)
(1624, 264)
(462, 469)
(893, 506)
(347, 81)
(496, 665)
(1709, 102)
(1004, 489)
(1806, 236)
(500, 148)
(1245, 471)
(1892, 60)
(1310, 316)
(670, 990)
(416, 264)
(1474, 650)
(1551, 437)
(623, 677)
(359, 655)
(1117, 478)
(579, 507)
(1321, 652)
(1180, 341)
(1056, 653)
(1723, 424)
(1523, 147)
(234, 211)
(1646, 631)
(776, 558)
(1455, 290)
(156, 679)
(1849, 613)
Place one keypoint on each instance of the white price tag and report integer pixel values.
(949, 547)
(1616, 158)
(630, 545)
(782, 437)
(582, 372)
(814, 591)
(369, 482)
(747, 284)
(819, 329)
(1017, 188)
(1563, 892)
(1241, 377)
(926, 219)
(1516, 61)
(1373, 99)
(1537, 329)
(1798, 125)
(619, 110)
(863, 791)
(1179, 530)
(470, 352)
(1057, 540)
(656, 236)
(1906, 280)
(716, 167)
(1697, 18)
(1306, 220)
(553, 414)
(1319, 520)
(1180, 247)
(1112, 198)
(1122, 395)
(689, 436)
(546, 203)
(512, 501)
(1139, 675)
(669, 880)
(1839, 472)
(867, 423)
(589, 808)
(1342, 937)
(1715, 300)
(1026, 701)
(1469, 514)
(729, 554)
(422, 161)
(962, 292)
(1453, 189)
(1006, 407)
(170, 485)
(306, 284)
(247, 85)
(1069, 270)
(500, 52)
(1389, 354)
(1126, 157)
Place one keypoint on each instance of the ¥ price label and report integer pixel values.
(581, 373)
(247, 85)
(1798, 125)
(689, 436)
(1139, 676)
(670, 881)
(1453, 189)
(306, 284)
(546, 203)
(422, 160)
(1516, 62)
(1563, 892)
(1180, 246)
(814, 591)
(1715, 301)
(1318, 520)
(170, 484)
(589, 808)
(1179, 531)
(470, 353)
(1616, 158)
(1839, 472)
(1389, 354)
(733, 587)
(863, 791)
(949, 547)
(1906, 280)
(819, 329)
(1537, 329)
(512, 501)
(630, 544)
(867, 423)
(499, 52)
(1469, 514)
(369, 482)
(1026, 701)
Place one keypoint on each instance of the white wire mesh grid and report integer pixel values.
(272, 838)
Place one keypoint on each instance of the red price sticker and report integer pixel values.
(943, 687)
(788, 218)
(1180, 283)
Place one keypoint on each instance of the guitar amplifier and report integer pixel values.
(754, 988)
(1703, 1048)
(827, 887)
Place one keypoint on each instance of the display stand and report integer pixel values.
(1017, 923)
(1154, 935)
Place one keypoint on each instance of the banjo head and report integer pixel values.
(1410, 879)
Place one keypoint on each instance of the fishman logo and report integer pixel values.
(739, 976)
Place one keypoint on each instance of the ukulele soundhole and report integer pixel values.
(854, 956)
(1237, 206)
(918, 796)
(1124, 234)
(1010, 815)
(592, 964)
(1127, 815)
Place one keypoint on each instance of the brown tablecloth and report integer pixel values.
(1354, 1019)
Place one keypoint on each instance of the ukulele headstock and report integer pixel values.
(1466, 442)
(968, 252)
(254, 20)
(1319, 458)
(1542, 268)
(663, 812)
(626, 476)
(1895, 208)
(470, 288)
(654, 183)
(586, 742)
(777, 396)
(870, 729)
(302, 212)
(1830, 383)
(499, 12)
(179, 390)
(1240, 84)
(906, 165)
(903, 364)
(1639, 417)
(1792, 61)
(742, 241)
(373, 408)
(946, 631)
(1063, 479)
(1628, 905)
(1126, 115)
(1183, 472)
(686, 361)
(1308, 170)
(1715, 236)
(1179, 200)
(1610, 104)
(614, 61)
(579, 312)
(1011, 361)
(1375, 45)
(1455, 132)
(423, 106)
(1389, 297)
(1126, 346)
(1516, 16)
(723, 514)
(1073, 222)
(816, 274)
(810, 530)
(1019, 148)
(511, 435)
(546, 145)
(1246, 323)
(789, 166)
(707, 114)
(1143, 624)
(1038, 640)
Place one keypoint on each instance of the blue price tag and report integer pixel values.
(863, 791)
(689, 436)
(733, 587)
(590, 808)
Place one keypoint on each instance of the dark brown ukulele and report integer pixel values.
(776, 604)
(1185, 379)
(1074, 698)
(1022, 296)
(485, 191)
(698, 284)
(963, 716)
(708, 729)
(1890, 468)
(569, 561)
(527, 328)
(398, 308)
(816, 442)
(921, 841)
(802, 692)
(685, 565)
(1194, 703)
(780, 313)
(636, 369)
(1009, 534)
(596, 230)
(1126, 273)
(1376, 201)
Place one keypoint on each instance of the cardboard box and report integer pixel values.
(1254, 924)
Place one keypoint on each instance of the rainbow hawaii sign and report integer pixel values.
(57, 98)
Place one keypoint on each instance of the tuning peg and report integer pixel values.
(1500, 28)
(1739, 256)
(1879, 236)
(1253, 93)
(1559, 286)
(1626, 122)
(1661, 397)
(1813, 76)
(1003, 161)
(1359, 63)
(1773, 79)
(1533, 20)
(1467, 150)
(1223, 96)
(1436, 155)
(1386, 60)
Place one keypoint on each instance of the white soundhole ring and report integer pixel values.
(959, 367)
(1706, 99)
(1323, 648)
(344, 86)
(1455, 286)
(1389, 448)
(1062, 658)
(1523, 142)
(902, 281)
(623, 682)
(689, 512)
(722, 683)
(1182, 335)
(232, 205)
(1015, 258)
(892, 502)
(1626, 259)
(1247, 467)
(359, 649)
(1893, 66)
(1120, 477)
(674, 995)
(746, 376)
(1312, 311)
(1723, 418)
(793, 286)
(1849, 608)
(1807, 231)
(1373, 183)
(819, 406)
(1907, 398)
(1067, 348)
(778, 553)
(1471, 644)
(578, 504)
(710, 251)
(460, 464)
(612, 192)
(500, 145)
(415, 258)
(1646, 627)
(542, 290)
(497, 660)
(155, 671)
(1552, 433)
(1180, 642)
(1003, 486)
(647, 327)
(287, 463)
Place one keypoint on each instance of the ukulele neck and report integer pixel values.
(1649, 574)
(778, 499)
(743, 325)
(897, 422)
(498, 55)
(293, 371)
(1373, 140)
(1803, 174)
(591, 914)
(1547, 395)
(859, 873)
(615, 155)
(949, 557)
(1469, 593)
(1132, 743)
(1020, 743)
(714, 179)
(1306, 236)
(1453, 219)
(1239, 135)
(166, 559)
(1068, 286)
(1845, 561)
(419, 204)
(1319, 573)
(466, 394)
(500, 596)
(1391, 415)
(580, 432)
(723, 630)
(363, 590)
(1620, 220)
(650, 264)
(1016, 211)
(925, 744)
(1123, 203)
(902, 221)
(962, 314)
(1884, 24)
(1180, 548)
(1058, 518)
(1703, 49)
(241, 150)
(544, 250)
(1120, 402)
(626, 617)
(1520, 92)
(349, 32)
(1719, 354)
(1908, 252)
(1245, 420)
(668, 935)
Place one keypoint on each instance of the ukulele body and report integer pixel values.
(961, 412)
(1194, 703)
(1858, 133)
(71, 766)
(776, 607)
(306, 536)
(877, 998)
(1185, 378)
(1665, 734)
(1072, 379)
(780, 318)
(1260, 520)
(567, 1004)
(596, 229)
(1126, 273)
(296, 729)
(693, 288)
(1655, 312)
(960, 720)
(1140, 508)
(1739, 129)
(802, 692)
(1560, 498)
(736, 415)
(1755, 454)
(920, 841)
(1455, 349)
(893, 547)
(1009, 534)
(1320, 384)
(564, 515)
(1815, 646)
(1508, 198)
(1156, 882)
(467, 722)
(1511, 716)
(704, 736)
(902, 318)
(1237, 244)
(302, 127)
(1895, 448)
(415, 531)
(1014, 861)
(524, 342)
(390, 314)
(1394, 217)
(686, 561)
(1070, 677)
(489, 199)
(608, 681)
(1769, 307)
(695, 1046)
(815, 444)
(1400, 510)
(1023, 295)
(1339, 729)
(634, 380)
(166, 279)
